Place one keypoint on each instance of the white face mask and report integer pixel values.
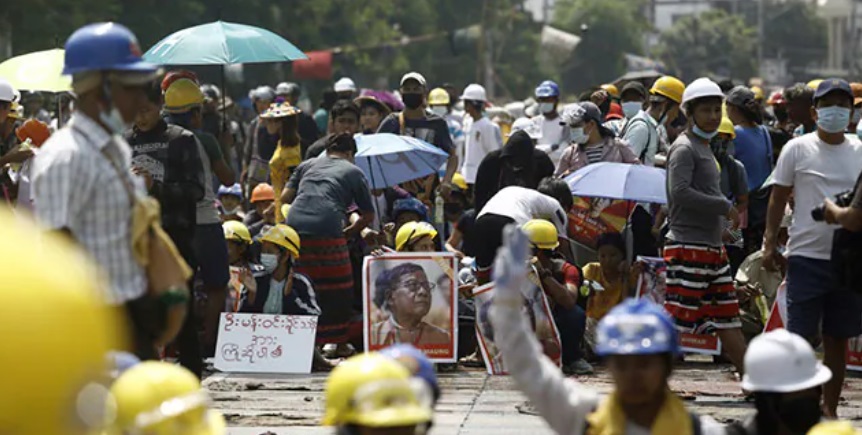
(114, 121)
(233, 211)
(269, 262)
(546, 108)
(577, 135)
(631, 108)
(439, 110)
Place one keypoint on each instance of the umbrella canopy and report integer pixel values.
(388, 159)
(222, 43)
(619, 181)
(38, 71)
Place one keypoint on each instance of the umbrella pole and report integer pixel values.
(223, 99)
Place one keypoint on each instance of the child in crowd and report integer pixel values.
(230, 203)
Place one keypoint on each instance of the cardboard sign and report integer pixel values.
(265, 343)
(411, 298)
(652, 284)
(591, 217)
(538, 312)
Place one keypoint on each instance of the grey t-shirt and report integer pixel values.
(325, 188)
(695, 202)
(209, 151)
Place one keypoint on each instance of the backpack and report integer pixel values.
(650, 130)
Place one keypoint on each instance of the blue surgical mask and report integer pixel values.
(705, 135)
(269, 262)
(631, 108)
(577, 135)
(545, 108)
(833, 119)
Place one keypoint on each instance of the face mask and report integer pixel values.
(114, 121)
(546, 108)
(577, 135)
(439, 110)
(833, 119)
(233, 211)
(631, 108)
(452, 209)
(799, 414)
(412, 101)
(719, 146)
(703, 134)
(269, 262)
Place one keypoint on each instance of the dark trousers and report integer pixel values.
(489, 236)
(571, 323)
(188, 340)
(644, 243)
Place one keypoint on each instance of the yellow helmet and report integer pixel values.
(814, 83)
(16, 111)
(160, 398)
(57, 331)
(542, 234)
(670, 87)
(236, 231)
(833, 428)
(459, 181)
(285, 209)
(438, 97)
(183, 95)
(373, 390)
(413, 231)
(726, 127)
(284, 236)
(758, 93)
(611, 89)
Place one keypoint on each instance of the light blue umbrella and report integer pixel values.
(619, 181)
(222, 43)
(389, 159)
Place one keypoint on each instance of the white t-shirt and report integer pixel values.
(815, 170)
(552, 134)
(482, 138)
(523, 205)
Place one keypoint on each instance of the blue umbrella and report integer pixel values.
(222, 43)
(619, 181)
(388, 159)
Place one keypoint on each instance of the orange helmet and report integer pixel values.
(36, 131)
(172, 76)
(263, 192)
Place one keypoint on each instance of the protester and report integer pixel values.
(591, 142)
(752, 147)
(632, 100)
(780, 130)
(799, 106)
(372, 394)
(371, 113)
(260, 144)
(518, 163)
(282, 121)
(9, 153)
(308, 134)
(419, 366)
(698, 273)
(415, 122)
(32, 134)
(459, 216)
(560, 281)
(345, 89)
(404, 294)
(320, 192)
(734, 186)
(642, 132)
(554, 138)
(33, 104)
(638, 340)
(321, 115)
(241, 257)
(482, 135)
(813, 167)
(441, 105)
(230, 203)
(345, 116)
(262, 199)
(416, 236)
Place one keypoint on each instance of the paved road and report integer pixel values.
(472, 402)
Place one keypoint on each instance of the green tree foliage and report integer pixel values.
(714, 44)
(794, 32)
(613, 27)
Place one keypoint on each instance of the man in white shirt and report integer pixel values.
(483, 136)
(813, 167)
(554, 138)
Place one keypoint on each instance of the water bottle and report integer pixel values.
(439, 218)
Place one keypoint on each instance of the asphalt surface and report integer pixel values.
(472, 401)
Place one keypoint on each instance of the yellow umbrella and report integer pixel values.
(37, 71)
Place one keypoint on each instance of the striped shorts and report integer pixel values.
(701, 296)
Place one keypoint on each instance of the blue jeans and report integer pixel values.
(571, 323)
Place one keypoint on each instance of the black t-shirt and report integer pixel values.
(431, 128)
(465, 226)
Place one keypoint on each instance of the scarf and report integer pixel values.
(609, 418)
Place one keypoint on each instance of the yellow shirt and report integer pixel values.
(284, 160)
(602, 302)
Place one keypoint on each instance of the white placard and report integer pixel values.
(265, 343)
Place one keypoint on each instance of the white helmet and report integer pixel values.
(782, 362)
(345, 84)
(527, 126)
(474, 92)
(701, 88)
(7, 92)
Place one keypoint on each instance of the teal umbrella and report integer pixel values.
(222, 43)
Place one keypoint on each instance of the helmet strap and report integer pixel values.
(110, 116)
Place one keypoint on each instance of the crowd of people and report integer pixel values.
(190, 209)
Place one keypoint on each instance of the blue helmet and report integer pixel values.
(636, 327)
(416, 363)
(410, 204)
(547, 89)
(235, 190)
(104, 47)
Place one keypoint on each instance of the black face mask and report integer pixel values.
(719, 146)
(412, 101)
(452, 209)
(799, 414)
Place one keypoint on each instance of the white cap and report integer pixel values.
(262, 93)
(782, 362)
(345, 84)
(527, 126)
(7, 92)
(474, 92)
(701, 88)
(413, 76)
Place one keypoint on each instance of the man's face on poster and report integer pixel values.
(411, 297)
(598, 205)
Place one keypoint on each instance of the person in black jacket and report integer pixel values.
(518, 163)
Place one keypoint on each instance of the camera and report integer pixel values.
(842, 199)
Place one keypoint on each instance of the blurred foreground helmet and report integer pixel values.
(57, 332)
(636, 327)
(159, 398)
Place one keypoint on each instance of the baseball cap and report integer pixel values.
(527, 126)
(634, 87)
(833, 85)
(581, 112)
(413, 76)
(345, 84)
(740, 96)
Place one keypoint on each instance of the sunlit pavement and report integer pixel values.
(472, 401)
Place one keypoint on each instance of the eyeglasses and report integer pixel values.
(415, 286)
